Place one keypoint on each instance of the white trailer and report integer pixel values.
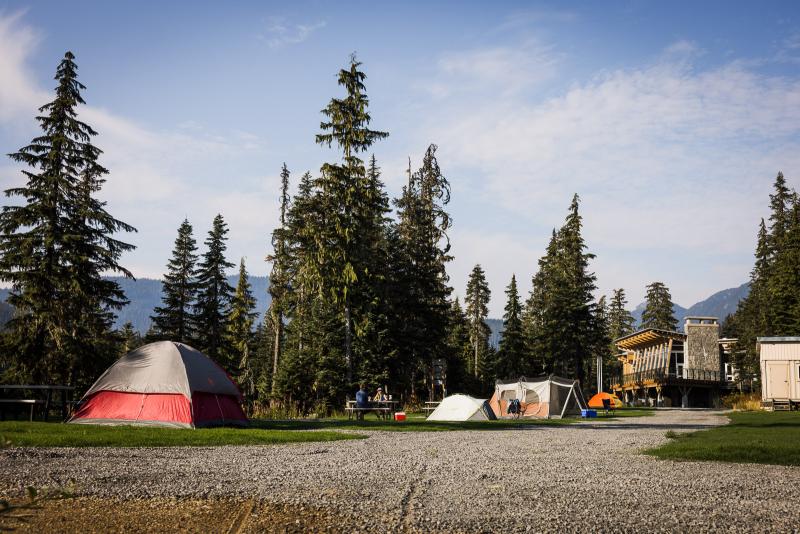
(780, 371)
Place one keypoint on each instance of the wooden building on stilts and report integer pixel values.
(666, 368)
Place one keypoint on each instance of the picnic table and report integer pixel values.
(430, 406)
(65, 394)
(382, 409)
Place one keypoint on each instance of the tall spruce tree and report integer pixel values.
(658, 311)
(214, 296)
(279, 277)
(344, 246)
(174, 320)
(559, 320)
(240, 321)
(477, 300)
(420, 250)
(55, 246)
(511, 353)
(772, 308)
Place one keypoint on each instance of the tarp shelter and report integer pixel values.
(462, 408)
(597, 400)
(546, 397)
(163, 384)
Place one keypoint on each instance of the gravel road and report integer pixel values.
(587, 476)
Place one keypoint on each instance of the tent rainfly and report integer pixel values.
(597, 400)
(547, 397)
(163, 384)
(462, 408)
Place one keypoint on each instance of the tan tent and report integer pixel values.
(547, 397)
(462, 408)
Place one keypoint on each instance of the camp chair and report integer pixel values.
(608, 406)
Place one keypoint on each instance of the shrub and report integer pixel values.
(742, 401)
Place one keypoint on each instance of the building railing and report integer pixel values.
(660, 375)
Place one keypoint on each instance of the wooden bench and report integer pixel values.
(23, 402)
(430, 406)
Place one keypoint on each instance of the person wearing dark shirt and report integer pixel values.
(361, 398)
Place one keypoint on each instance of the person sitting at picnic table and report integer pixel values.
(361, 397)
(379, 396)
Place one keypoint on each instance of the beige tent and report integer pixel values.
(462, 408)
(547, 397)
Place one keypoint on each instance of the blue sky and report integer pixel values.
(669, 119)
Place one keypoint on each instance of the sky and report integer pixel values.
(670, 120)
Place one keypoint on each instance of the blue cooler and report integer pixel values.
(588, 413)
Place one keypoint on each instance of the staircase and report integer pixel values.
(781, 405)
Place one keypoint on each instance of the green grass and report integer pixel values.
(62, 435)
(752, 437)
(260, 432)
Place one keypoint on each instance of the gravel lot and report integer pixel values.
(587, 476)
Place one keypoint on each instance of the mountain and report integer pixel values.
(678, 311)
(719, 305)
(145, 294)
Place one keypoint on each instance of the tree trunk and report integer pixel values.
(348, 345)
(276, 351)
(476, 359)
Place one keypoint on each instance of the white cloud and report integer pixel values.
(156, 177)
(18, 92)
(669, 159)
(503, 70)
(280, 33)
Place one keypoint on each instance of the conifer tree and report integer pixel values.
(620, 324)
(130, 338)
(477, 301)
(343, 245)
(279, 277)
(420, 251)
(214, 296)
(658, 311)
(459, 352)
(511, 353)
(601, 360)
(772, 307)
(559, 320)
(174, 320)
(620, 321)
(55, 246)
(240, 331)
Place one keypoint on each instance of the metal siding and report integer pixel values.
(779, 351)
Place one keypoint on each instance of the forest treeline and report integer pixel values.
(359, 285)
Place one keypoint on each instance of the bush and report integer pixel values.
(742, 401)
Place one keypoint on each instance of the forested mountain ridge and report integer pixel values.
(145, 294)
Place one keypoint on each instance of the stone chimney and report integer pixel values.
(702, 343)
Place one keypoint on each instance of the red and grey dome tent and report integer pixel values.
(163, 384)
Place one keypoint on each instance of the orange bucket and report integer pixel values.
(399, 416)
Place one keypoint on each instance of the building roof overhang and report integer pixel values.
(647, 337)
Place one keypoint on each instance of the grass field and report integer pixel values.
(60, 435)
(752, 437)
(260, 432)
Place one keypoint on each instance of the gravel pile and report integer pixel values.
(587, 476)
